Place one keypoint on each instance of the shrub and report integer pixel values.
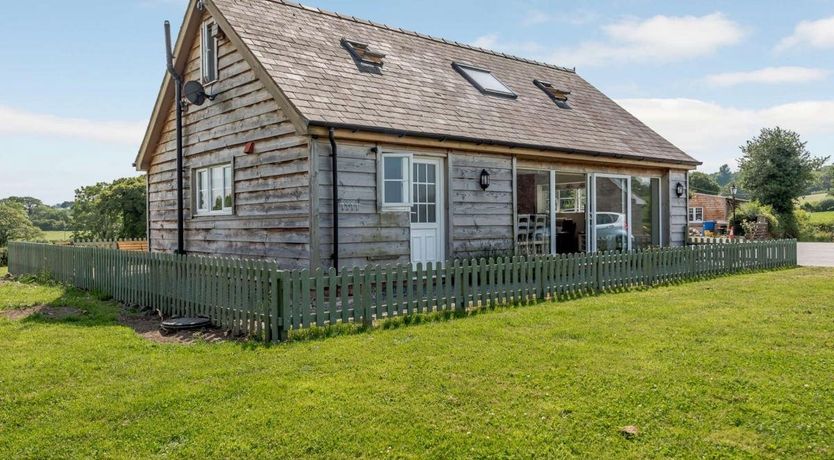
(810, 231)
(750, 212)
(4, 257)
(826, 204)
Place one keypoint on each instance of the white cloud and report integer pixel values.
(712, 133)
(818, 34)
(14, 121)
(659, 39)
(769, 75)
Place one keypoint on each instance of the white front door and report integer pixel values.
(427, 236)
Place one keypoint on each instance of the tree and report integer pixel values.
(703, 183)
(776, 169)
(28, 203)
(824, 179)
(110, 210)
(42, 216)
(724, 176)
(15, 224)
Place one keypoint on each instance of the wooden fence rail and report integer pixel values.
(255, 298)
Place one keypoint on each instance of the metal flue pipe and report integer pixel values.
(178, 96)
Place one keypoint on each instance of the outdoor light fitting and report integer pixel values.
(484, 179)
(679, 189)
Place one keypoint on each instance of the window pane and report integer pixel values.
(393, 192)
(612, 233)
(216, 189)
(393, 167)
(209, 57)
(645, 212)
(533, 208)
(486, 81)
(227, 187)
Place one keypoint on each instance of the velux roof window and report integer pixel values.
(559, 96)
(484, 80)
(363, 53)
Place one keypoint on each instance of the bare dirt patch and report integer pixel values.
(56, 313)
(147, 327)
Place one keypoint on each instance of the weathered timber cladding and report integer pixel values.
(366, 235)
(479, 223)
(271, 216)
(482, 220)
(677, 209)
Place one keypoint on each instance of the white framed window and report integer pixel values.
(570, 200)
(696, 214)
(208, 52)
(213, 194)
(395, 181)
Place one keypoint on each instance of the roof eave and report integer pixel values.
(165, 97)
(442, 137)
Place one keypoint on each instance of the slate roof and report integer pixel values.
(420, 93)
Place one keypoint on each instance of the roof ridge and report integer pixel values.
(421, 35)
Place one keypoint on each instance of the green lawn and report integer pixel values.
(57, 235)
(732, 367)
(826, 217)
(812, 198)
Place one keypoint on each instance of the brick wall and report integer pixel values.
(716, 208)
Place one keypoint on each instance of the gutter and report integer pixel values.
(331, 134)
(474, 140)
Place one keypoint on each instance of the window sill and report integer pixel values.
(216, 215)
(395, 208)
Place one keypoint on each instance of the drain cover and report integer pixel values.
(176, 324)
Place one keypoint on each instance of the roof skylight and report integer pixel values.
(559, 96)
(484, 80)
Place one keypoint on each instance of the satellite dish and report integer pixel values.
(195, 93)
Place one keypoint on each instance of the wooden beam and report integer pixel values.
(520, 152)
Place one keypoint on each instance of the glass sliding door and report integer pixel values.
(610, 218)
(645, 212)
(534, 212)
(570, 204)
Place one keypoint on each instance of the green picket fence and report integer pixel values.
(255, 298)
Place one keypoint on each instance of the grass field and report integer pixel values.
(732, 367)
(56, 235)
(812, 198)
(822, 217)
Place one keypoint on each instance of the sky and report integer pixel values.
(80, 78)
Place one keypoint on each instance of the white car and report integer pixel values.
(611, 230)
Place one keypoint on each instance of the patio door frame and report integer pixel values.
(591, 208)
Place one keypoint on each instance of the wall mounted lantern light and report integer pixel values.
(679, 190)
(484, 179)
